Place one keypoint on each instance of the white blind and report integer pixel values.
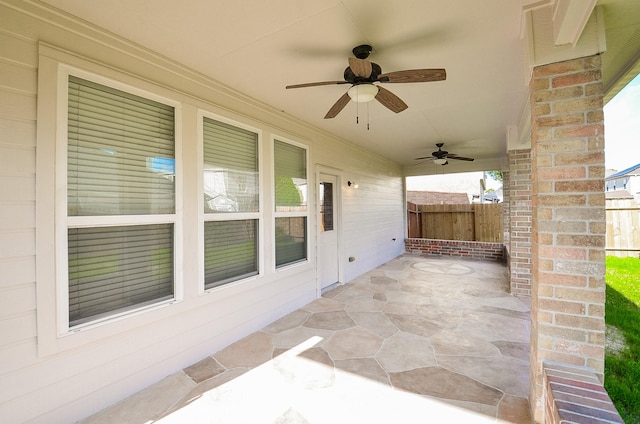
(290, 166)
(230, 251)
(120, 152)
(113, 269)
(231, 184)
(230, 168)
(120, 161)
(291, 240)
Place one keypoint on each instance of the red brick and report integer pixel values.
(560, 120)
(580, 240)
(579, 186)
(579, 159)
(577, 78)
(562, 252)
(562, 200)
(589, 130)
(558, 68)
(562, 279)
(562, 173)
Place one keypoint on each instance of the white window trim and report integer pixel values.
(54, 333)
(306, 214)
(207, 217)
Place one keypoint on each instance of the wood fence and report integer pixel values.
(469, 222)
(623, 227)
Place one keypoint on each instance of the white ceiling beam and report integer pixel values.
(569, 20)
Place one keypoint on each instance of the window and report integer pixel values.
(231, 202)
(120, 183)
(326, 206)
(291, 214)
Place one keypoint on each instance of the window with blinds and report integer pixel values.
(120, 162)
(290, 190)
(230, 168)
(231, 203)
(120, 152)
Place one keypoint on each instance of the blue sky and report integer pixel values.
(622, 127)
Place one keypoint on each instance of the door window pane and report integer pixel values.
(326, 206)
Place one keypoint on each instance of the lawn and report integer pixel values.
(622, 316)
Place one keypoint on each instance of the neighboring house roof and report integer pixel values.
(634, 170)
(618, 194)
(437, 198)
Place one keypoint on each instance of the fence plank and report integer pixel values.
(488, 218)
(477, 222)
(623, 227)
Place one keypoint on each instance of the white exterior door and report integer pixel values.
(328, 264)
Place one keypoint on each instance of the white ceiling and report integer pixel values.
(258, 47)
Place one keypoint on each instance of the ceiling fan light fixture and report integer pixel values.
(363, 93)
(440, 161)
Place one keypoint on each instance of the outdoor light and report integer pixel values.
(352, 184)
(440, 161)
(363, 93)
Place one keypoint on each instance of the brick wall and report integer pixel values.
(568, 225)
(575, 395)
(456, 248)
(520, 221)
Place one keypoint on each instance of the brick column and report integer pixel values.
(568, 256)
(506, 211)
(520, 221)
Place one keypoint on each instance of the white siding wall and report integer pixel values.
(78, 381)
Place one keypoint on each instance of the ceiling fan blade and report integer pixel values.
(314, 84)
(425, 157)
(414, 75)
(390, 100)
(360, 67)
(452, 156)
(338, 106)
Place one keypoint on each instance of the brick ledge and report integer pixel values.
(456, 248)
(574, 394)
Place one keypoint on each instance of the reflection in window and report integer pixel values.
(290, 178)
(230, 168)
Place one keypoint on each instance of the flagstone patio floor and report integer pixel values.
(419, 339)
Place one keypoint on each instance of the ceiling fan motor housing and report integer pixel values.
(352, 78)
(362, 51)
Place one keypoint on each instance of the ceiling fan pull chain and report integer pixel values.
(368, 117)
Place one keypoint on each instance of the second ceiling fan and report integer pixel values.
(441, 157)
(365, 78)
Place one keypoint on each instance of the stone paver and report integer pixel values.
(417, 337)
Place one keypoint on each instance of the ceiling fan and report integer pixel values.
(365, 77)
(441, 157)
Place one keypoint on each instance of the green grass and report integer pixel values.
(622, 311)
